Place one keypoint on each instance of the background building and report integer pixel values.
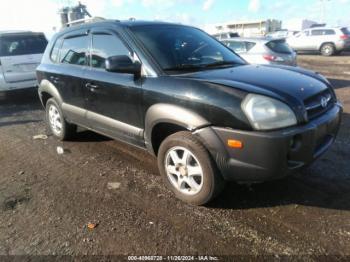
(248, 28)
(298, 24)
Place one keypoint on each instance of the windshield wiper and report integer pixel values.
(189, 67)
(220, 63)
(183, 67)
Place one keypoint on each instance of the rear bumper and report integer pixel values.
(4, 86)
(271, 155)
(343, 45)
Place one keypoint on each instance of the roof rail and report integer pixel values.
(84, 21)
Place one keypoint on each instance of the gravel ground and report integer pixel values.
(47, 200)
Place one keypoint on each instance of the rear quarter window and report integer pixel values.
(279, 46)
(345, 31)
(55, 50)
(249, 45)
(15, 45)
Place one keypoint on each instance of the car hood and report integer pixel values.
(287, 83)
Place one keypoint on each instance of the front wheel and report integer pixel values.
(188, 169)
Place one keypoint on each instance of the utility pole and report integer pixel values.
(323, 12)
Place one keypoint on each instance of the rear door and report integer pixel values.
(320, 36)
(68, 73)
(20, 54)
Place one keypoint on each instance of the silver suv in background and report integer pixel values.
(327, 41)
(263, 50)
(20, 54)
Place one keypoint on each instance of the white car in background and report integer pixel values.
(20, 54)
(326, 40)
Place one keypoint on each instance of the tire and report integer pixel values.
(195, 180)
(58, 126)
(328, 49)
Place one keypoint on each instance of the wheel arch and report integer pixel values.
(325, 43)
(46, 91)
(162, 120)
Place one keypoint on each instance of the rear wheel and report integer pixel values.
(328, 49)
(188, 169)
(59, 127)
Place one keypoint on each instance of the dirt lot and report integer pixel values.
(47, 199)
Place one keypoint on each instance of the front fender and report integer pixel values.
(172, 114)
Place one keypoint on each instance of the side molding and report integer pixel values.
(47, 87)
(172, 114)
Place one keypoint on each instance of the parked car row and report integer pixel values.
(325, 40)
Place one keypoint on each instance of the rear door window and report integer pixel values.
(322, 32)
(74, 50)
(15, 45)
(279, 46)
(104, 46)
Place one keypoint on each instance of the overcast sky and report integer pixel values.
(41, 15)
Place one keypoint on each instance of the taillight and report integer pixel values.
(269, 57)
(273, 58)
(344, 37)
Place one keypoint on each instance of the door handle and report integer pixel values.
(92, 87)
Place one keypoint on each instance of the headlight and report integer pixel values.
(266, 113)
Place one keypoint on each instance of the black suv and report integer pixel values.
(188, 99)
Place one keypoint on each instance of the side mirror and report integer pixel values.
(122, 64)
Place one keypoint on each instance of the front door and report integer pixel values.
(114, 99)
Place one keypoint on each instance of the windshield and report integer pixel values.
(177, 47)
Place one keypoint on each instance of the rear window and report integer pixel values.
(345, 31)
(279, 46)
(15, 45)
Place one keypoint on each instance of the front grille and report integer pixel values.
(318, 104)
